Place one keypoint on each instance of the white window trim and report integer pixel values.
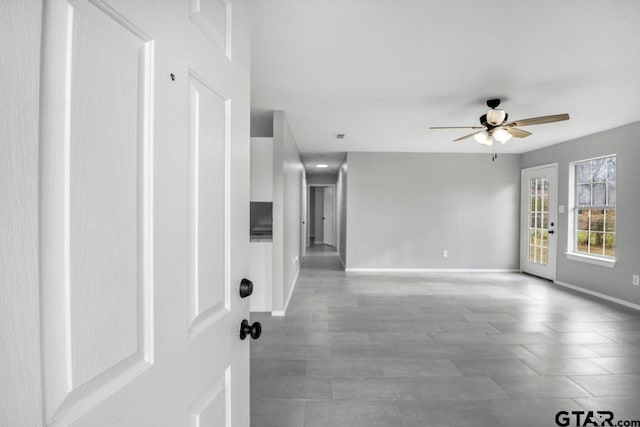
(571, 219)
(603, 262)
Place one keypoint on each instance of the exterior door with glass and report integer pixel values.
(538, 237)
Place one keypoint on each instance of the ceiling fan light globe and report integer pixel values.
(495, 117)
(501, 135)
(483, 137)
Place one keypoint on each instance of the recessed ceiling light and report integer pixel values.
(322, 165)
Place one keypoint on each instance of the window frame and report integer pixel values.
(572, 220)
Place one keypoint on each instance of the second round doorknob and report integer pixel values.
(254, 330)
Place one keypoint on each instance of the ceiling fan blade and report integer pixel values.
(457, 127)
(465, 137)
(538, 120)
(518, 133)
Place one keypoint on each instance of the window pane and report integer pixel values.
(532, 237)
(610, 244)
(596, 243)
(582, 242)
(599, 194)
(532, 186)
(544, 256)
(545, 221)
(612, 168)
(599, 170)
(544, 238)
(583, 219)
(538, 237)
(584, 194)
(597, 220)
(583, 172)
(611, 193)
(544, 206)
(610, 224)
(545, 186)
(532, 253)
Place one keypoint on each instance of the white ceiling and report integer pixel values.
(383, 71)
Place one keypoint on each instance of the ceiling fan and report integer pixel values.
(496, 127)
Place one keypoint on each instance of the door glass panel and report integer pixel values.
(538, 219)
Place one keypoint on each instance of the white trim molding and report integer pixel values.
(598, 295)
(282, 313)
(603, 262)
(432, 270)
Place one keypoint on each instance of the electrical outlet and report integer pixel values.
(636, 280)
(445, 253)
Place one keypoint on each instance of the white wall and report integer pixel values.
(261, 169)
(289, 183)
(321, 178)
(341, 209)
(623, 141)
(405, 208)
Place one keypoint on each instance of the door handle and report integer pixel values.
(246, 288)
(551, 231)
(254, 330)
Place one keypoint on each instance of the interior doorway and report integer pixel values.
(321, 215)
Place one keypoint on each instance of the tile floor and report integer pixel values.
(500, 350)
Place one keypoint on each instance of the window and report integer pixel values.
(594, 208)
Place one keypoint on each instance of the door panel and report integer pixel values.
(209, 276)
(95, 206)
(143, 215)
(329, 216)
(539, 218)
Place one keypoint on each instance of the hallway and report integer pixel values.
(463, 349)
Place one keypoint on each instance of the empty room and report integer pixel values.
(301, 213)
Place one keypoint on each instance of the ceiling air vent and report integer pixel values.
(339, 135)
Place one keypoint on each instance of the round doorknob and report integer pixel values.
(246, 288)
(254, 330)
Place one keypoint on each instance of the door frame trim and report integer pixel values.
(523, 215)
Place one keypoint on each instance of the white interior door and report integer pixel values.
(143, 212)
(328, 216)
(539, 196)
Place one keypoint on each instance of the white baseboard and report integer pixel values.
(281, 313)
(432, 270)
(598, 295)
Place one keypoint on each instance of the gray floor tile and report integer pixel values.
(277, 413)
(345, 368)
(438, 349)
(530, 412)
(447, 413)
(289, 387)
(350, 413)
(280, 367)
(375, 388)
(619, 365)
(579, 338)
(565, 367)
(488, 367)
(540, 387)
(521, 338)
(559, 351)
(610, 385)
